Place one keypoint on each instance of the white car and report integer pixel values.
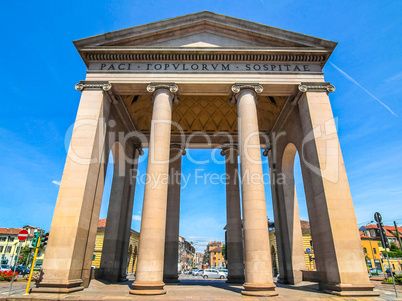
(223, 272)
(194, 272)
(213, 274)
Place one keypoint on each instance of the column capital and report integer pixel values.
(172, 87)
(237, 88)
(229, 147)
(179, 147)
(93, 85)
(316, 87)
(139, 147)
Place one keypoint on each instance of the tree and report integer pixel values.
(205, 259)
(25, 253)
(394, 247)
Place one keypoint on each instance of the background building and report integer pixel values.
(132, 249)
(373, 248)
(187, 255)
(9, 245)
(213, 255)
(307, 247)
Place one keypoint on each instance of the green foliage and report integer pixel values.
(398, 279)
(25, 252)
(205, 259)
(394, 247)
(397, 254)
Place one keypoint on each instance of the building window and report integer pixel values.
(10, 239)
(364, 250)
(1, 249)
(374, 250)
(3, 238)
(8, 249)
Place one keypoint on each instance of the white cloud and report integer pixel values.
(137, 217)
(56, 183)
(364, 89)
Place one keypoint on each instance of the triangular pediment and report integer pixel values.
(205, 30)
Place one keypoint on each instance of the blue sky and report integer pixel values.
(40, 66)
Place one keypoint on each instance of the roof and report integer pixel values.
(389, 229)
(10, 231)
(201, 30)
(304, 224)
(102, 226)
(217, 250)
(102, 223)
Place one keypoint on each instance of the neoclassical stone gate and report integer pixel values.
(205, 81)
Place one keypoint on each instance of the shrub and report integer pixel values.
(7, 276)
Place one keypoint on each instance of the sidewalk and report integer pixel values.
(200, 290)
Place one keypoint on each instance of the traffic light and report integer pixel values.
(44, 239)
(35, 239)
(383, 234)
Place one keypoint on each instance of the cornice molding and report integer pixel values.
(204, 57)
(316, 87)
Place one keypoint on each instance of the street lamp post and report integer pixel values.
(371, 247)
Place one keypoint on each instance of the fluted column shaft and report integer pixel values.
(173, 217)
(234, 247)
(258, 269)
(149, 274)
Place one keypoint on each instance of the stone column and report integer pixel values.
(337, 246)
(118, 223)
(287, 218)
(129, 212)
(80, 195)
(258, 270)
(234, 243)
(173, 216)
(149, 274)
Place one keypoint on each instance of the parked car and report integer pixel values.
(200, 273)
(211, 273)
(194, 271)
(21, 270)
(223, 272)
(5, 268)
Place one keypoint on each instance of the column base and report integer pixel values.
(148, 288)
(351, 290)
(259, 290)
(171, 279)
(59, 288)
(122, 278)
(235, 279)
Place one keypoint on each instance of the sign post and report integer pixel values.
(378, 219)
(308, 250)
(22, 235)
(33, 263)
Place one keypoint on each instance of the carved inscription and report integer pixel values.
(203, 67)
